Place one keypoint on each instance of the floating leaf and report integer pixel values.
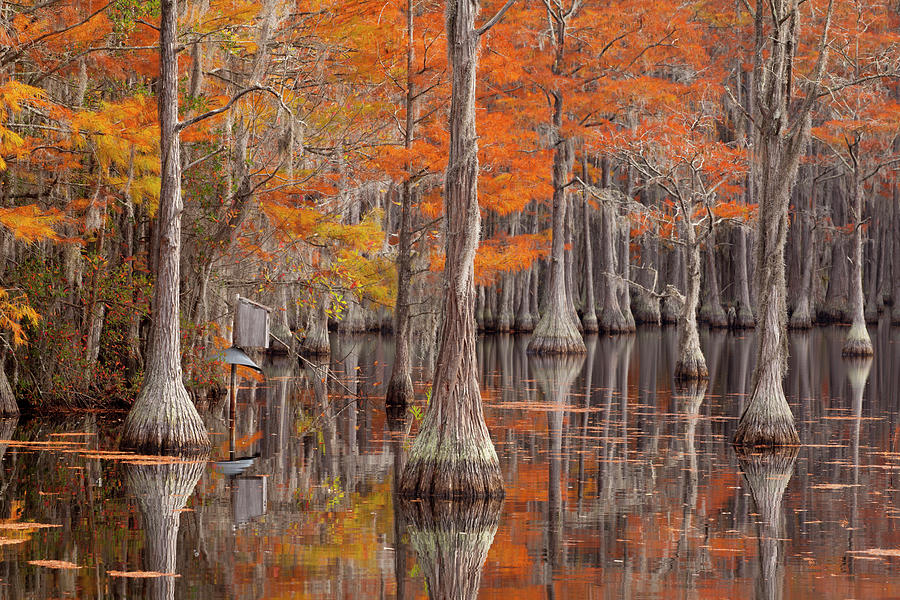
(54, 564)
(140, 574)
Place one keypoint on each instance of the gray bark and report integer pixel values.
(857, 342)
(782, 132)
(453, 455)
(163, 417)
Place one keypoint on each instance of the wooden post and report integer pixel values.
(232, 412)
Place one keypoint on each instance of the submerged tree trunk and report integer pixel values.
(453, 455)
(163, 418)
(857, 342)
(524, 319)
(801, 318)
(317, 342)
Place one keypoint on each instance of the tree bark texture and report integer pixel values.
(557, 331)
(611, 318)
(163, 417)
(711, 311)
(857, 342)
(782, 132)
(453, 455)
(691, 364)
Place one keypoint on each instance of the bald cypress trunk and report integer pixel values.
(691, 364)
(400, 387)
(453, 456)
(8, 406)
(624, 293)
(589, 318)
(711, 311)
(163, 417)
(611, 318)
(557, 332)
(782, 132)
(857, 342)
(801, 318)
(524, 318)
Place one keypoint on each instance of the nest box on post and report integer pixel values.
(251, 324)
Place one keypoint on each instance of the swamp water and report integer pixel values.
(617, 486)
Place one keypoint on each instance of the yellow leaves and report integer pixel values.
(14, 312)
(29, 223)
(13, 95)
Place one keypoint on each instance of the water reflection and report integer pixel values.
(767, 474)
(162, 492)
(618, 483)
(451, 539)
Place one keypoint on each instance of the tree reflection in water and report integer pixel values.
(451, 539)
(162, 491)
(767, 473)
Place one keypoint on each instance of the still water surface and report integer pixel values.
(618, 486)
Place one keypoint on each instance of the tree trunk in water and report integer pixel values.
(801, 318)
(691, 364)
(670, 309)
(524, 317)
(625, 274)
(895, 263)
(782, 132)
(646, 308)
(557, 331)
(767, 420)
(453, 455)
(317, 341)
(611, 318)
(836, 298)
(589, 320)
(163, 417)
(451, 539)
(743, 318)
(162, 491)
(857, 342)
(767, 474)
(505, 309)
(711, 311)
(400, 388)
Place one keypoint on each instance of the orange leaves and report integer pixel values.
(505, 254)
(30, 223)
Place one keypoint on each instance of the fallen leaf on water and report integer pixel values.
(140, 574)
(54, 564)
(25, 526)
(879, 552)
(10, 541)
(834, 486)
